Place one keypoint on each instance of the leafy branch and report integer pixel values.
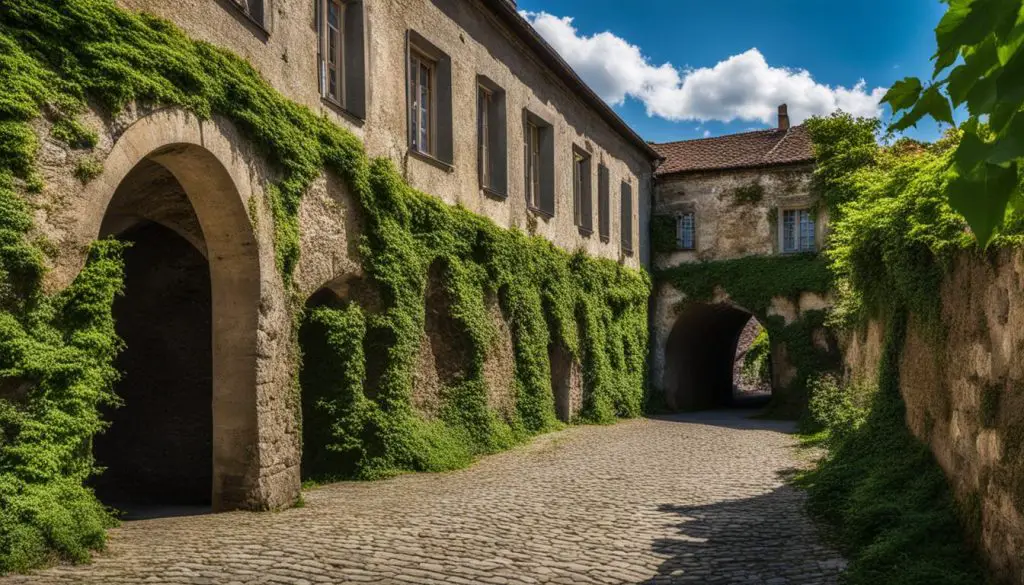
(979, 64)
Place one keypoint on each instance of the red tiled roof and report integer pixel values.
(737, 151)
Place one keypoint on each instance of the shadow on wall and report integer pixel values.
(763, 539)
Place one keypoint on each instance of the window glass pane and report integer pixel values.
(414, 68)
(685, 234)
(806, 231)
(424, 112)
(789, 231)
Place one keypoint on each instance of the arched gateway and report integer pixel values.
(196, 410)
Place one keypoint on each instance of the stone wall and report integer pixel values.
(964, 394)
(285, 53)
(735, 211)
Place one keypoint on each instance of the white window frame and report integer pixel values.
(802, 236)
(420, 62)
(338, 53)
(484, 104)
(533, 165)
(681, 226)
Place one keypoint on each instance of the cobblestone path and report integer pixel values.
(694, 499)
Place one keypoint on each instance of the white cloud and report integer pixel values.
(707, 133)
(742, 87)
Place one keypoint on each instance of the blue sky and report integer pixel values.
(838, 44)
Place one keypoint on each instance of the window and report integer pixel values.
(581, 194)
(430, 100)
(798, 231)
(533, 165)
(686, 236)
(539, 163)
(421, 106)
(492, 159)
(253, 9)
(626, 220)
(604, 228)
(483, 115)
(342, 67)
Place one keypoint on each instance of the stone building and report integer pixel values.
(462, 95)
(721, 199)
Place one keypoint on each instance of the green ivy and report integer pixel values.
(750, 194)
(751, 282)
(55, 58)
(663, 233)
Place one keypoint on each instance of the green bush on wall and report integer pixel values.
(56, 55)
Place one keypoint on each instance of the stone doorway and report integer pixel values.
(704, 356)
(158, 450)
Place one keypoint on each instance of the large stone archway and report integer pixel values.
(255, 443)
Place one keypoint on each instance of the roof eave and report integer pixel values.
(553, 60)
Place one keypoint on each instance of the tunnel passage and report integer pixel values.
(701, 355)
(158, 450)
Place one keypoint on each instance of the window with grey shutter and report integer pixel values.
(342, 54)
(492, 138)
(429, 82)
(254, 9)
(539, 143)
(603, 204)
(626, 219)
(583, 206)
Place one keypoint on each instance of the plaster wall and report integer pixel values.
(285, 53)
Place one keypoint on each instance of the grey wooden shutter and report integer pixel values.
(603, 203)
(626, 222)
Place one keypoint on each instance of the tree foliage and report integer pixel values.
(979, 64)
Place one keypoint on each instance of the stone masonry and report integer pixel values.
(695, 499)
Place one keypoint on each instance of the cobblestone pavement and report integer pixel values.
(692, 499)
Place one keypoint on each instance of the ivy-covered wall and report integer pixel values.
(926, 445)
(66, 58)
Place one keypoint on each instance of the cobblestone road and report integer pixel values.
(694, 499)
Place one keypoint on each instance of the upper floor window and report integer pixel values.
(604, 227)
(430, 113)
(492, 144)
(421, 102)
(483, 117)
(254, 9)
(539, 163)
(626, 218)
(686, 232)
(798, 230)
(582, 199)
(342, 67)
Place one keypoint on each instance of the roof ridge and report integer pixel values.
(772, 150)
(706, 138)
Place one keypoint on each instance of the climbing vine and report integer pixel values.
(59, 57)
(752, 282)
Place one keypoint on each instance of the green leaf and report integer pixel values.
(903, 94)
(978, 61)
(982, 196)
(931, 103)
(1009, 145)
(972, 150)
(1010, 83)
(966, 24)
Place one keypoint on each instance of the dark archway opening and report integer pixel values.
(704, 359)
(158, 450)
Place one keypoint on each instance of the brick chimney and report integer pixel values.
(783, 117)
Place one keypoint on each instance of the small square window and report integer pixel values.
(798, 231)
(686, 231)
